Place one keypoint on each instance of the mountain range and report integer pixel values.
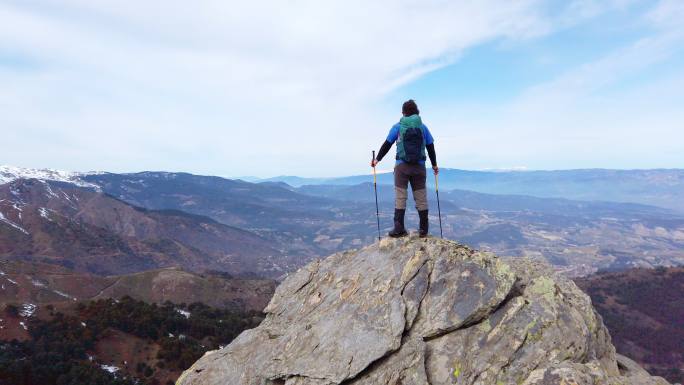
(313, 220)
(657, 187)
(148, 220)
(82, 229)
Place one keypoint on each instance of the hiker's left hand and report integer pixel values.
(374, 162)
(435, 169)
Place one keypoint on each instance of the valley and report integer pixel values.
(315, 220)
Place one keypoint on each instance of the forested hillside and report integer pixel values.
(115, 342)
(644, 312)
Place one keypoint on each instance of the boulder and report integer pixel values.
(423, 311)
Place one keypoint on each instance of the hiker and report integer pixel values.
(412, 138)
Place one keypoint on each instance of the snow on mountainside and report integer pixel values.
(11, 173)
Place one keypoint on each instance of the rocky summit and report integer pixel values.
(423, 311)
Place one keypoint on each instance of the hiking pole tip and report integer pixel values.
(439, 209)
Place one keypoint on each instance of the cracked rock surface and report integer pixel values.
(422, 311)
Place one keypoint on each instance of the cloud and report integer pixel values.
(262, 87)
(280, 48)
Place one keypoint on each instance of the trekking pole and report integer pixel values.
(375, 187)
(439, 209)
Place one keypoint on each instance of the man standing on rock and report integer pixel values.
(412, 138)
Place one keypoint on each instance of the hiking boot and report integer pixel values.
(398, 230)
(424, 223)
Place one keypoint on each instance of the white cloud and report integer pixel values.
(262, 87)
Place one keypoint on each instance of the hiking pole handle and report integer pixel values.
(436, 182)
(375, 181)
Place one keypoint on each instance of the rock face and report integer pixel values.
(414, 311)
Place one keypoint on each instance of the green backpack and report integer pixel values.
(411, 143)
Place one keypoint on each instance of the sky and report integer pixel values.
(309, 88)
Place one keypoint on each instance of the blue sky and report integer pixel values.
(310, 88)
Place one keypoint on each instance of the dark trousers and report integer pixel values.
(414, 174)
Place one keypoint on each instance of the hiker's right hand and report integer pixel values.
(374, 162)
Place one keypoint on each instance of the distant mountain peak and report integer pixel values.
(11, 173)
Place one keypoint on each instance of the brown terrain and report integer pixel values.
(35, 287)
(93, 232)
(126, 351)
(41, 283)
(644, 312)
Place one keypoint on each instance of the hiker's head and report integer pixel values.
(409, 108)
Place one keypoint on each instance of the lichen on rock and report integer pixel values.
(422, 311)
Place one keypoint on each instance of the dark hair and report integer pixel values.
(409, 108)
